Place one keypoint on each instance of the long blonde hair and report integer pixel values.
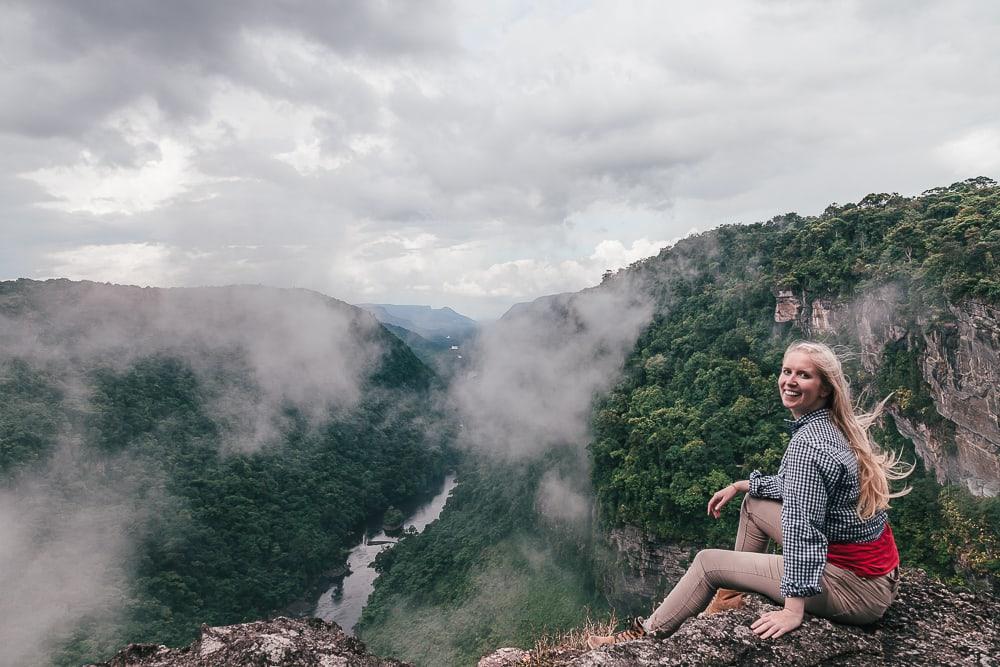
(875, 467)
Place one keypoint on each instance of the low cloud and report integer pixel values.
(255, 350)
(66, 535)
(540, 367)
(562, 500)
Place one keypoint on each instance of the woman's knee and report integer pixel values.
(710, 560)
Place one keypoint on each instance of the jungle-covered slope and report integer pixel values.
(180, 457)
(698, 407)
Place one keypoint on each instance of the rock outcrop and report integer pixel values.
(787, 306)
(281, 641)
(928, 624)
(959, 360)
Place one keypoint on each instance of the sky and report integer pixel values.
(468, 154)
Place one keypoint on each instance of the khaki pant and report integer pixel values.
(846, 597)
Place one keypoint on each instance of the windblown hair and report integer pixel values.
(875, 468)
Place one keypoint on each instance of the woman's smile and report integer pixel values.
(802, 391)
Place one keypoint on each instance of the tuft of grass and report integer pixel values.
(553, 650)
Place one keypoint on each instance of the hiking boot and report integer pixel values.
(634, 632)
(724, 600)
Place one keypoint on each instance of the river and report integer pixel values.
(343, 602)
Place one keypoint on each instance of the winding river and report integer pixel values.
(343, 602)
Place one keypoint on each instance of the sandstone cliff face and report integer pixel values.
(959, 362)
(926, 625)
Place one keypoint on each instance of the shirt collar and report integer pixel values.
(794, 425)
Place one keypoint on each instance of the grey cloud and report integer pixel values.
(204, 32)
(83, 61)
(505, 142)
(563, 500)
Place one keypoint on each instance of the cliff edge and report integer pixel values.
(928, 624)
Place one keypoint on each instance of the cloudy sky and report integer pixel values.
(471, 154)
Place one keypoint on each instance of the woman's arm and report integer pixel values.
(723, 496)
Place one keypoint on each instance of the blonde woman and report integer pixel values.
(826, 507)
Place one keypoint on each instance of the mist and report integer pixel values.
(66, 535)
(255, 350)
(540, 367)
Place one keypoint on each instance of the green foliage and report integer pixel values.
(248, 533)
(28, 423)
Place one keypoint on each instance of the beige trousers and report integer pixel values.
(846, 597)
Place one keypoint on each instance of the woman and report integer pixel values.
(826, 507)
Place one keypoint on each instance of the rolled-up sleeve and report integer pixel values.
(766, 486)
(803, 515)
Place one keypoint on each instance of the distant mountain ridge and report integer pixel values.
(430, 323)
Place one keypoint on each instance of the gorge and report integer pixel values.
(259, 430)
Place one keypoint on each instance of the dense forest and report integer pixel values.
(696, 408)
(215, 534)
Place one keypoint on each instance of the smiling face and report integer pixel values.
(800, 386)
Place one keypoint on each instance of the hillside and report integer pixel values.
(170, 458)
(907, 284)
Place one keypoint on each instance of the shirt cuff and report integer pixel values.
(755, 483)
(793, 591)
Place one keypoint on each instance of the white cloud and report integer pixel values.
(977, 151)
(526, 278)
(89, 187)
(126, 263)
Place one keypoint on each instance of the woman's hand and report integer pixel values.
(723, 496)
(776, 623)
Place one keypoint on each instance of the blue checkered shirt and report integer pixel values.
(818, 486)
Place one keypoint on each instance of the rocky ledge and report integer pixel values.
(928, 624)
(281, 641)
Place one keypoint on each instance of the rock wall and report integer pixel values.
(961, 364)
(637, 571)
(959, 361)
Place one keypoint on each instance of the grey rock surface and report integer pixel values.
(281, 641)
